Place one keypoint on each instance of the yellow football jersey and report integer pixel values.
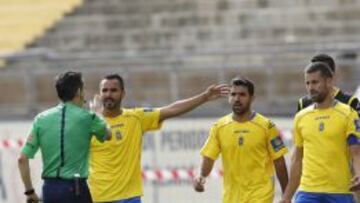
(323, 134)
(247, 150)
(115, 168)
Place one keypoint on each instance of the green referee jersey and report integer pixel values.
(63, 134)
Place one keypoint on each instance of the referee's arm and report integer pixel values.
(24, 168)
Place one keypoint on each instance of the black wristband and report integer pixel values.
(29, 192)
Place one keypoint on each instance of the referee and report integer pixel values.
(63, 135)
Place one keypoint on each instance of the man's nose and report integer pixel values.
(107, 93)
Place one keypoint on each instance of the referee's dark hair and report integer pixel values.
(324, 69)
(243, 81)
(67, 85)
(325, 59)
(116, 77)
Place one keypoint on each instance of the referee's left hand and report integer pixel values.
(355, 186)
(33, 198)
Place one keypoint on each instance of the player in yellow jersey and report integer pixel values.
(337, 93)
(250, 146)
(326, 139)
(115, 168)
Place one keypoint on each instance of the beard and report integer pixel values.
(240, 109)
(111, 104)
(317, 97)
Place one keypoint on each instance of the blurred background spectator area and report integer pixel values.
(167, 50)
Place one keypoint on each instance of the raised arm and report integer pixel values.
(295, 175)
(182, 106)
(206, 167)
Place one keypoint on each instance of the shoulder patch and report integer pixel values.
(277, 143)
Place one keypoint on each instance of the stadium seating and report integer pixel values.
(23, 21)
(171, 49)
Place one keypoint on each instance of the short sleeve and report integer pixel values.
(98, 127)
(353, 127)
(211, 149)
(276, 145)
(150, 118)
(297, 137)
(32, 143)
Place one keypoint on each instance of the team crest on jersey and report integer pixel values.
(357, 125)
(277, 143)
(118, 135)
(241, 141)
(321, 126)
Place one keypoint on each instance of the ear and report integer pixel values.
(330, 81)
(123, 94)
(81, 93)
(78, 93)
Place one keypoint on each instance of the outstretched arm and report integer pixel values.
(206, 167)
(182, 106)
(295, 175)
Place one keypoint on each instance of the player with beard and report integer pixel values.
(326, 139)
(250, 146)
(63, 134)
(115, 168)
(336, 92)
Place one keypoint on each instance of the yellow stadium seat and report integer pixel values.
(22, 21)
